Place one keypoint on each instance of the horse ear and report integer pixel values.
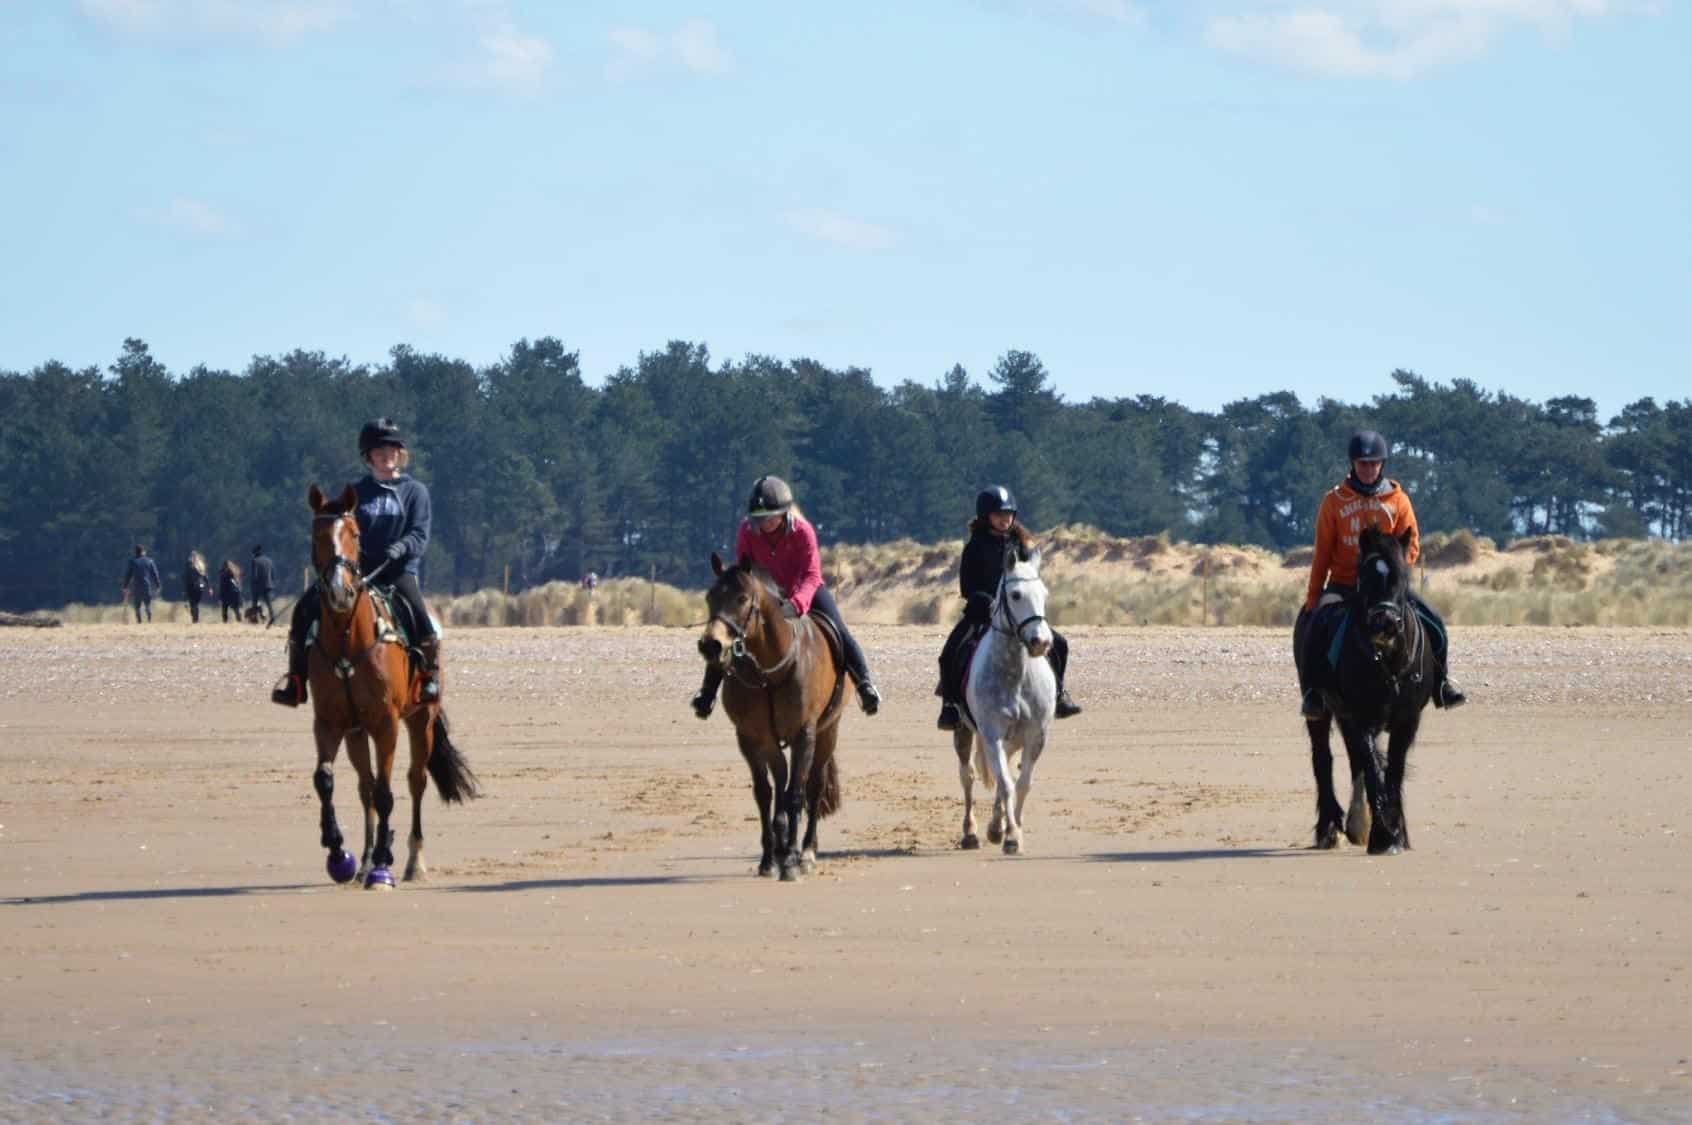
(1010, 556)
(314, 497)
(746, 562)
(1404, 542)
(1033, 558)
(349, 499)
(716, 564)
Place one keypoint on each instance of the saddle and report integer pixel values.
(837, 648)
(395, 624)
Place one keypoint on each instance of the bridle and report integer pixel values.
(1001, 608)
(743, 666)
(345, 664)
(1407, 626)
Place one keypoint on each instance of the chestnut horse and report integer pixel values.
(362, 688)
(783, 689)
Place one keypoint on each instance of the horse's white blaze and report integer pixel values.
(1012, 694)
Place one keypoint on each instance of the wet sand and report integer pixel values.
(593, 945)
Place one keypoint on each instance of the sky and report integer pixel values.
(1206, 200)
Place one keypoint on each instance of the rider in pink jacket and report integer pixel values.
(776, 537)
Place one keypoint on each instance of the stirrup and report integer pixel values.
(1065, 706)
(949, 717)
(1449, 695)
(290, 691)
(430, 689)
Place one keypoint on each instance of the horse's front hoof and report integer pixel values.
(995, 833)
(416, 875)
(379, 879)
(342, 865)
(790, 873)
(969, 843)
(766, 870)
(1326, 841)
(1012, 847)
(808, 865)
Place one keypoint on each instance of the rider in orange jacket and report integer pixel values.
(1365, 498)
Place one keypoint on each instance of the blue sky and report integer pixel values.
(1204, 200)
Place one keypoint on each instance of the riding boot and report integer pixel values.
(291, 690)
(1065, 705)
(706, 699)
(430, 649)
(1311, 706)
(869, 698)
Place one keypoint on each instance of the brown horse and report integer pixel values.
(362, 687)
(784, 690)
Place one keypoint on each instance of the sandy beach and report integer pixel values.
(593, 945)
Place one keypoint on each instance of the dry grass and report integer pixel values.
(616, 601)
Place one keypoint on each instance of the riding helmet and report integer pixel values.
(378, 432)
(1367, 445)
(995, 499)
(770, 497)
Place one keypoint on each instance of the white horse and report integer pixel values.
(1011, 693)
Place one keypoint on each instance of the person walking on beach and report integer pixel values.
(141, 582)
(229, 590)
(262, 580)
(194, 583)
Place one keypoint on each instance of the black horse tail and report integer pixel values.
(451, 773)
(828, 801)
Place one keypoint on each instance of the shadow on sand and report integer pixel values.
(1192, 854)
(156, 893)
(583, 882)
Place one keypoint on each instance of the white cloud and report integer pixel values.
(693, 46)
(272, 22)
(840, 230)
(191, 216)
(1391, 38)
(514, 61)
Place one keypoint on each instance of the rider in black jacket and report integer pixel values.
(994, 528)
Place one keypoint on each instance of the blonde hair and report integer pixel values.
(232, 568)
(198, 562)
(404, 456)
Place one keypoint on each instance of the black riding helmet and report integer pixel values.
(770, 497)
(378, 432)
(1367, 445)
(995, 499)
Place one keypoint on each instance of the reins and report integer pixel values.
(1001, 607)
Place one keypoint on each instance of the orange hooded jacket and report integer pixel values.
(1344, 513)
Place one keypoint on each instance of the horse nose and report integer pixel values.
(711, 649)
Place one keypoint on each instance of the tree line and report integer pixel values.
(537, 474)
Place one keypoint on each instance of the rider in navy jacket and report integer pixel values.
(994, 528)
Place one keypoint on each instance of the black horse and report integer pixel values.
(1371, 659)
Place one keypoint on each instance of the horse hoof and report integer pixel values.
(1326, 842)
(1388, 848)
(379, 879)
(995, 834)
(342, 865)
(789, 873)
(969, 843)
(807, 866)
(1012, 847)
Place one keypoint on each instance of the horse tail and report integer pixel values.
(982, 773)
(828, 801)
(451, 773)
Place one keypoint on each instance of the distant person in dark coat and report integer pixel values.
(141, 582)
(262, 580)
(194, 583)
(229, 590)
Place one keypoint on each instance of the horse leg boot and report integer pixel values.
(706, 698)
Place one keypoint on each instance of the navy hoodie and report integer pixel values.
(392, 511)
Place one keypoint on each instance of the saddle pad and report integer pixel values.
(966, 660)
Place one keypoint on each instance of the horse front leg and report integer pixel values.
(803, 751)
(1366, 760)
(328, 739)
(420, 727)
(358, 753)
(1330, 818)
(1033, 745)
(1394, 834)
(1003, 826)
(963, 744)
(381, 875)
(765, 796)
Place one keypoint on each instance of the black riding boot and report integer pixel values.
(949, 717)
(430, 649)
(706, 699)
(291, 690)
(1310, 706)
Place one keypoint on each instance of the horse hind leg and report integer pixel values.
(421, 729)
(963, 743)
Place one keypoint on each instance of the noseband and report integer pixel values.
(742, 664)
